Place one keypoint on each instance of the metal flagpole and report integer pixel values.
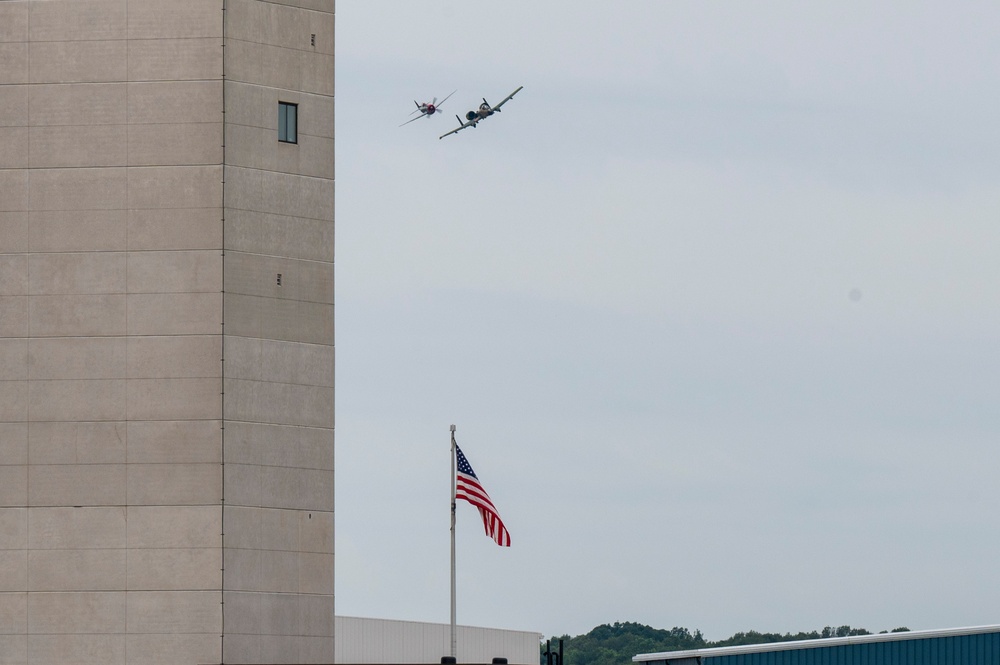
(454, 643)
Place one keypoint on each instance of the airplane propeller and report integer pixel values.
(428, 108)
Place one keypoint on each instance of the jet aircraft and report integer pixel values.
(485, 110)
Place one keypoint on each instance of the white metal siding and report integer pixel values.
(368, 641)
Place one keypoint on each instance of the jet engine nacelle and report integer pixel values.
(471, 115)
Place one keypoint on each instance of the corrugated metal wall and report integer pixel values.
(361, 641)
(977, 649)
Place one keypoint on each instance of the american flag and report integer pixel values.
(467, 487)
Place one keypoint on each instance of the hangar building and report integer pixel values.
(363, 641)
(979, 645)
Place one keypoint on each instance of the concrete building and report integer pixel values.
(166, 331)
(977, 645)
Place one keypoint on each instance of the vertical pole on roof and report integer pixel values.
(454, 641)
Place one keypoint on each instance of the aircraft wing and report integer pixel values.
(507, 98)
(412, 119)
(461, 126)
(446, 98)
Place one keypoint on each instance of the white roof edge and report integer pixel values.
(812, 644)
(435, 623)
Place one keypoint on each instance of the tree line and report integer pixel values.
(616, 643)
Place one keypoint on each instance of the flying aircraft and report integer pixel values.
(472, 118)
(428, 109)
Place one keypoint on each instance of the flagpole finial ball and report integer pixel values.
(452, 428)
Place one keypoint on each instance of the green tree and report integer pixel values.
(616, 643)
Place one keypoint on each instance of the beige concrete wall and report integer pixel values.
(111, 331)
(136, 217)
(278, 410)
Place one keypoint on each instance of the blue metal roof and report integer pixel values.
(977, 645)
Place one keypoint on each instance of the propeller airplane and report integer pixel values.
(427, 109)
(485, 110)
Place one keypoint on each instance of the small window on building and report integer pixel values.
(288, 122)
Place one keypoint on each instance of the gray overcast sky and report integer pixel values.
(713, 304)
